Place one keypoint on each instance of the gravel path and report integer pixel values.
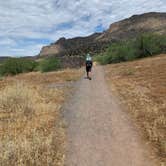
(99, 132)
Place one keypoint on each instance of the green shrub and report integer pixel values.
(49, 64)
(151, 44)
(13, 66)
(143, 46)
(103, 59)
(119, 52)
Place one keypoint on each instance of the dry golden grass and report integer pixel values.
(31, 127)
(141, 86)
(43, 78)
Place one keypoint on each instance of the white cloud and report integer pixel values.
(33, 19)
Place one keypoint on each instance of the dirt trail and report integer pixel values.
(99, 132)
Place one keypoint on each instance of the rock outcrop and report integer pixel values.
(75, 46)
(98, 42)
(135, 25)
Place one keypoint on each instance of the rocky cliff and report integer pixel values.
(75, 46)
(96, 43)
(135, 25)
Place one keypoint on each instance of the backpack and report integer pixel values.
(88, 63)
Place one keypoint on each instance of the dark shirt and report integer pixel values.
(89, 64)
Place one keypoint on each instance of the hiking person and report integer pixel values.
(89, 65)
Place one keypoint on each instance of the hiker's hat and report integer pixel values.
(88, 57)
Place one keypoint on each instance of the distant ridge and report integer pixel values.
(75, 46)
(135, 25)
(97, 42)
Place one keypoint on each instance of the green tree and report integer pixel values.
(50, 64)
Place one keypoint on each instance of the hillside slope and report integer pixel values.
(75, 46)
(141, 86)
(96, 43)
(135, 25)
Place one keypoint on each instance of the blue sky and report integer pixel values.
(27, 25)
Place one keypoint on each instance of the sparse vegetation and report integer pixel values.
(143, 46)
(141, 88)
(31, 128)
(49, 64)
(29, 136)
(13, 66)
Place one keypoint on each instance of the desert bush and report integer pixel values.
(13, 66)
(49, 64)
(151, 44)
(102, 59)
(119, 52)
(143, 46)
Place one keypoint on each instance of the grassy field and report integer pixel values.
(31, 127)
(141, 86)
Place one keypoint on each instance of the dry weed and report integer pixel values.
(31, 128)
(141, 86)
